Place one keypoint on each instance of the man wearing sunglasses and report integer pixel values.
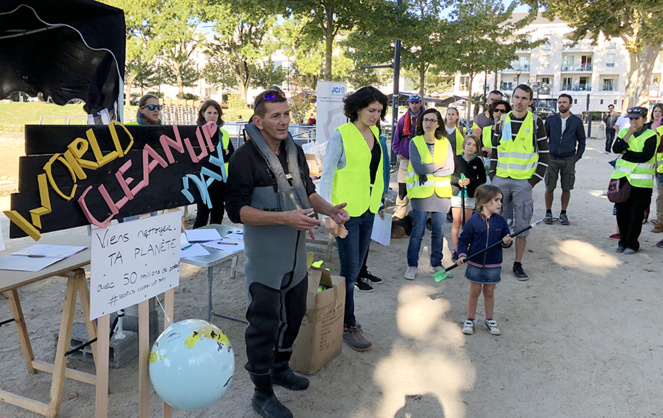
(405, 131)
(566, 139)
(483, 120)
(270, 191)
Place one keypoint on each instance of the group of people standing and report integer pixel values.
(269, 190)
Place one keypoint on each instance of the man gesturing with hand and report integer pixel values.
(270, 192)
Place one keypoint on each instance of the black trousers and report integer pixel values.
(609, 137)
(274, 316)
(630, 215)
(205, 215)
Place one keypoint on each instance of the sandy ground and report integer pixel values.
(581, 338)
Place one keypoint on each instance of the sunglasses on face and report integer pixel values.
(499, 111)
(152, 107)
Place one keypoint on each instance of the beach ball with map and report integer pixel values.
(191, 364)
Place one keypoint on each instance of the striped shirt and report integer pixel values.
(540, 144)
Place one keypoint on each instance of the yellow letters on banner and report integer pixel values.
(51, 180)
(101, 159)
(45, 202)
(22, 223)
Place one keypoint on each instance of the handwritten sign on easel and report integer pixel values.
(134, 261)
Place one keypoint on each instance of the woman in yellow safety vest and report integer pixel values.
(454, 132)
(496, 110)
(636, 165)
(429, 188)
(352, 174)
(211, 111)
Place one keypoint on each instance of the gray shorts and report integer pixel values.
(517, 193)
(457, 202)
(566, 169)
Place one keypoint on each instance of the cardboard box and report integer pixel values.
(314, 167)
(321, 334)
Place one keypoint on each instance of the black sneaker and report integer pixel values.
(362, 286)
(519, 272)
(370, 277)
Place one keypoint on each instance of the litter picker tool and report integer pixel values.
(444, 274)
(463, 193)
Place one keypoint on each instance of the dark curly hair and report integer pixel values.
(203, 109)
(440, 131)
(491, 108)
(361, 99)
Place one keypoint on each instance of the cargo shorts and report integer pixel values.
(517, 193)
(566, 168)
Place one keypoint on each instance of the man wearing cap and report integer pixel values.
(482, 120)
(405, 130)
(519, 161)
(636, 165)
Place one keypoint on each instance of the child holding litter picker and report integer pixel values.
(484, 228)
(469, 174)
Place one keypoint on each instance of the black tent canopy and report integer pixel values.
(68, 49)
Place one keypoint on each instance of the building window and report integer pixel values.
(575, 101)
(464, 83)
(612, 45)
(608, 84)
(547, 46)
(610, 60)
(601, 101)
(567, 83)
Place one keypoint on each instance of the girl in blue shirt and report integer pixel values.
(483, 229)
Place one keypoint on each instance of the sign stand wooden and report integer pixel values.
(143, 359)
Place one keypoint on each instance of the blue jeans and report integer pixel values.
(418, 229)
(352, 251)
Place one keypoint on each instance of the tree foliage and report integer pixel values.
(636, 22)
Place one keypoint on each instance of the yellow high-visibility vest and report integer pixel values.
(352, 183)
(486, 137)
(659, 156)
(225, 142)
(433, 184)
(637, 174)
(517, 158)
(459, 142)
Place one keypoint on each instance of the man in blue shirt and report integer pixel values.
(566, 139)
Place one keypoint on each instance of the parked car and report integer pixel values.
(544, 112)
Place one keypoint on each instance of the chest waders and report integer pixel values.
(275, 265)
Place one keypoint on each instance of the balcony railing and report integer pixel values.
(576, 87)
(583, 45)
(579, 67)
(522, 68)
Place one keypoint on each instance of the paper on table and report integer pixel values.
(195, 250)
(202, 235)
(56, 251)
(183, 240)
(13, 262)
(235, 235)
(382, 230)
(226, 245)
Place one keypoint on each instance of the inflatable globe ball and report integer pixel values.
(191, 364)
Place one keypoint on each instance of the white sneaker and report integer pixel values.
(492, 327)
(436, 269)
(468, 326)
(410, 273)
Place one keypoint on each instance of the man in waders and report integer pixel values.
(270, 192)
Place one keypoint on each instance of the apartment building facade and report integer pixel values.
(594, 74)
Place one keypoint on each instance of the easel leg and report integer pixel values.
(102, 349)
(22, 330)
(143, 358)
(84, 296)
(64, 341)
(170, 309)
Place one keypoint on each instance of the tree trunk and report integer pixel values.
(180, 82)
(469, 97)
(128, 85)
(631, 81)
(646, 60)
(329, 41)
(422, 81)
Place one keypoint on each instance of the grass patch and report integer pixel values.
(14, 116)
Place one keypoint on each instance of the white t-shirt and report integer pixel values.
(564, 122)
(622, 122)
